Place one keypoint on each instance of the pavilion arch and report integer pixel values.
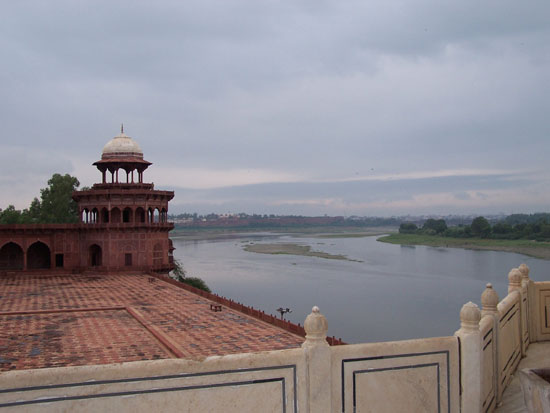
(95, 256)
(150, 215)
(163, 215)
(94, 216)
(127, 215)
(156, 216)
(140, 215)
(11, 257)
(116, 216)
(104, 215)
(38, 256)
(85, 216)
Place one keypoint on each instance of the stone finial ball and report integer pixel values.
(489, 298)
(514, 277)
(524, 269)
(316, 324)
(470, 315)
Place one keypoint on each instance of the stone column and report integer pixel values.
(470, 358)
(318, 362)
(489, 303)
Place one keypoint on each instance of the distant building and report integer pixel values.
(123, 224)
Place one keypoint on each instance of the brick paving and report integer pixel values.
(70, 320)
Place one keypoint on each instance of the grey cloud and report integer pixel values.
(324, 90)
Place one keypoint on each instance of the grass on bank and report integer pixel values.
(527, 247)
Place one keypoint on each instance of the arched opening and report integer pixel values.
(85, 215)
(95, 256)
(127, 215)
(115, 215)
(156, 216)
(38, 256)
(150, 215)
(140, 215)
(105, 215)
(157, 256)
(94, 215)
(11, 257)
(163, 215)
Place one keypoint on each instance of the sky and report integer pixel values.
(370, 108)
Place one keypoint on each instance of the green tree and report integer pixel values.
(502, 228)
(32, 214)
(407, 228)
(481, 227)
(435, 225)
(57, 205)
(10, 215)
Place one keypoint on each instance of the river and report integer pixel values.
(395, 292)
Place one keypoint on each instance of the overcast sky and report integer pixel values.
(304, 107)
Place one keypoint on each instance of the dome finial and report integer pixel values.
(121, 128)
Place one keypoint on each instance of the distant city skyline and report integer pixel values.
(312, 108)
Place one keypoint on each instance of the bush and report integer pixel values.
(197, 283)
(179, 274)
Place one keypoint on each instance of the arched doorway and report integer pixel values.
(11, 257)
(38, 256)
(95, 256)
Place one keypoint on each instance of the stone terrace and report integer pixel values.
(71, 320)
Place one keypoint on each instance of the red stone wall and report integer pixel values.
(74, 242)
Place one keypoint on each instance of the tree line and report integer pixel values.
(516, 226)
(55, 206)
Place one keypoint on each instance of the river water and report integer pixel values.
(394, 293)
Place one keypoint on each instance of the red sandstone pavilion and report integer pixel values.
(123, 224)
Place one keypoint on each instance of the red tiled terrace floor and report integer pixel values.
(118, 318)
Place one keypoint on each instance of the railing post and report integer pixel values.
(531, 308)
(470, 358)
(515, 278)
(489, 303)
(318, 361)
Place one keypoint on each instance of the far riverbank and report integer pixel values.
(527, 247)
(315, 232)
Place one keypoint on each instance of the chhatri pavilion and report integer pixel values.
(123, 223)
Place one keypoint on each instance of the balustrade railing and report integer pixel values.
(494, 340)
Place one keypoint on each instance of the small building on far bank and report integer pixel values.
(123, 224)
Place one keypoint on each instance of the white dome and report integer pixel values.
(122, 145)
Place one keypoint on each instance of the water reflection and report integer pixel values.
(396, 292)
